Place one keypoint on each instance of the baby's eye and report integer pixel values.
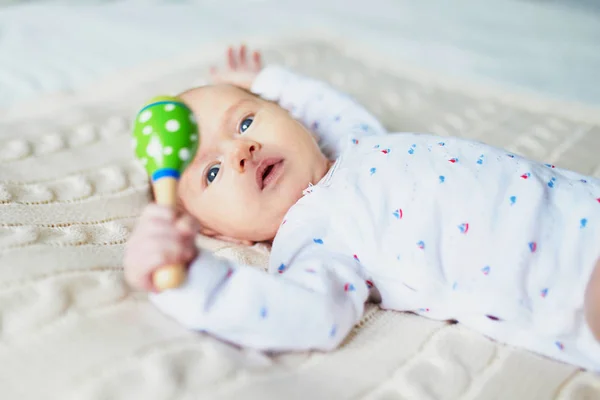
(246, 124)
(212, 173)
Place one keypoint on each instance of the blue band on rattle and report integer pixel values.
(157, 103)
(165, 173)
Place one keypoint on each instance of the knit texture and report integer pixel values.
(70, 193)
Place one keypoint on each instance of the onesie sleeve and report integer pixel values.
(311, 304)
(336, 118)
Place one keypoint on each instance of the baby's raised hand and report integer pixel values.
(160, 238)
(240, 68)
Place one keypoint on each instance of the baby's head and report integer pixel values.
(252, 165)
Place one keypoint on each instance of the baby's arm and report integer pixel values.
(311, 304)
(335, 117)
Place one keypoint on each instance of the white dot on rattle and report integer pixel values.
(184, 154)
(168, 150)
(169, 107)
(147, 130)
(133, 143)
(172, 125)
(192, 118)
(145, 116)
(193, 138)
(154, 148)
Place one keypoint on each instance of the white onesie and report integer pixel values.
(446, 228)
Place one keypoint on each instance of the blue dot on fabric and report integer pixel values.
(281, 268)
(513, 200)
(373, 170)
(583, 222)
(442, 179)
(318, 241)
(333, 331)
(263, 312)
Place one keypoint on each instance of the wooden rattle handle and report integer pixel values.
(168, 276)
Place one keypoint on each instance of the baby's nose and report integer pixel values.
(240, 152)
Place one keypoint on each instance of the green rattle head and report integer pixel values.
(165, 137)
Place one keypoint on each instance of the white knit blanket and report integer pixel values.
(70, 193)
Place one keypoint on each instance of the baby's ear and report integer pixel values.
(212, 234)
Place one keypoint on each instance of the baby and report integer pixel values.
(447, 228)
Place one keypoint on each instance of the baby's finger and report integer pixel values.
(156, 229)
(242, 58)
(158, 212)
(256, 59)
(231, 61)
(187, 226)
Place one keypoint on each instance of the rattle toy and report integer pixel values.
(165, 140)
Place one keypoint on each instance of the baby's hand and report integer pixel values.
(160, 238)
(240, 70)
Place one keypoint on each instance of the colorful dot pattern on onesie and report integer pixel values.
(318, 241)
(544, 292)
(583, 223)
(398, 213)
(373, 170)
(453, 160)
(480, 160)
(348, 287)
(412, 149)
(421, 244)
(551, 182)
(526, 175)
(442, 179)
(386, 151)
(463, 228)
(513, 200)
(486, 270)
(281, 268)
(356, 257)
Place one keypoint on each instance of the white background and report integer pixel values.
(552, 47)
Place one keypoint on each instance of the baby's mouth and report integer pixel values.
(268, 171)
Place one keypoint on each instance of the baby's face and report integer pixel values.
(253, 162)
